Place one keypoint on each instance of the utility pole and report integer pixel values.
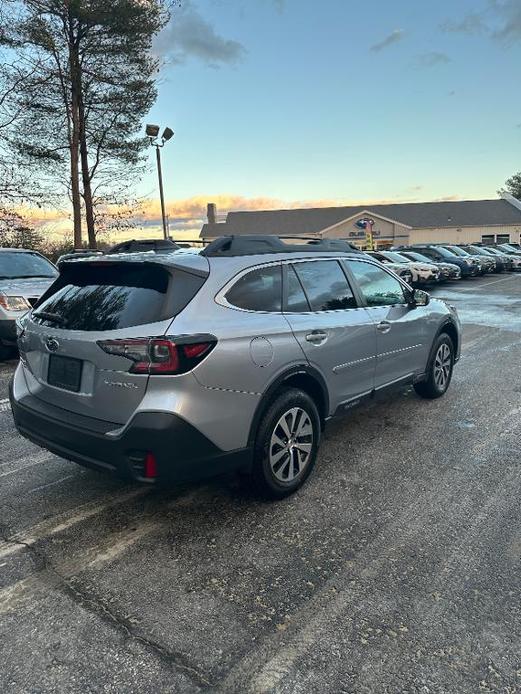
(152, 132)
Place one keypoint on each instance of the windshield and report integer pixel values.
(494, 251)
(458, 251)
(476, 250)
(395, 257)
(445, 252)
(16, 265)
(419, 257)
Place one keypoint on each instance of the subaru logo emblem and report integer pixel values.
(52, 344)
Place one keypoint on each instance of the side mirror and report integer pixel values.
(419, 298)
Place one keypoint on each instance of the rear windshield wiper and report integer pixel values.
(48, 315)
(26, 277)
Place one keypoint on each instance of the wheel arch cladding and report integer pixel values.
(302, 377)
(450, 329)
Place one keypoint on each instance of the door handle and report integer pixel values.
(316, 337)
(384, 326)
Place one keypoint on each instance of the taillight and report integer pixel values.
(160, 355)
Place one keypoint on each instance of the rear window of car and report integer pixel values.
(259, 290)
(17, 265)
(109, 297)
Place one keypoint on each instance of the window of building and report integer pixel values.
(259, 290)
(378, 287)
(325, 285)
(503, 238)
(487, 239)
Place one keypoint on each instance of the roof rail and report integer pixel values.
(228, 246)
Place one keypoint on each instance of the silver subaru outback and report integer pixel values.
(180, 365)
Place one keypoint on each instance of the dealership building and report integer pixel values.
(462, 221)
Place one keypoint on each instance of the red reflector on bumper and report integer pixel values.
(150, 466)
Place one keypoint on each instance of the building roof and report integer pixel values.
(417, 215)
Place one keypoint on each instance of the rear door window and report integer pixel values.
(258, 290)
(325, 285)
(110, 297)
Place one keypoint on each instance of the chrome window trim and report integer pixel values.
(220, 296)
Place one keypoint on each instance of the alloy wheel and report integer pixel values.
(291, 445)
(442, 366)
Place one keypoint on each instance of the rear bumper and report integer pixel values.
(182, 453)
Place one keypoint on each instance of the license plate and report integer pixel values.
(64, 372)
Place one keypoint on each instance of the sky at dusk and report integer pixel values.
(295, 102)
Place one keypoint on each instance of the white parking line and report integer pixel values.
(51, 484)
(60, 523)
(487, 284)
(37, 459)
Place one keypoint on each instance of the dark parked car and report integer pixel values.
(461, 253)
(511, 262)
(482, 253)
(440, 254)
(486, 264)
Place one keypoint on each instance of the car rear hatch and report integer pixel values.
(91, 305)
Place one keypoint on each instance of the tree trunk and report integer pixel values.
(75, 135)
(75, 188)
(85, 173)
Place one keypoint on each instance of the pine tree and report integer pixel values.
(90, 79)
(513, 186)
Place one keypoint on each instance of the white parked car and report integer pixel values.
(422, 273)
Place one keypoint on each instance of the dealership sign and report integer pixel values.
(366, 224)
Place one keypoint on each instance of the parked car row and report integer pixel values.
(426, 264)
(26, 274)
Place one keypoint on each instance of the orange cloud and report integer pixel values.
(186, 216)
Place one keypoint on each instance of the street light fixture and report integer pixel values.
(152, 132)
(167, 134)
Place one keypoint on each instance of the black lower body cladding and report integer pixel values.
(181, 452)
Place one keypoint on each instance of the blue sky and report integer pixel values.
(294, 101)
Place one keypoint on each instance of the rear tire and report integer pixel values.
(439, 373)
(286, 445)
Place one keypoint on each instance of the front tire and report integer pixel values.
(286, 444)
(439, 374)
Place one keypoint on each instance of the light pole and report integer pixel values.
(152, 132)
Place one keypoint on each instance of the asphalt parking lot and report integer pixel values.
(395, 569)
